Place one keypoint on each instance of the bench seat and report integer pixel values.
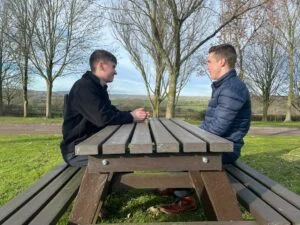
(268, 201)
(45, 201)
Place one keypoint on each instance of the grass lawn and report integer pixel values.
(294, 124)
(27, 120)
(25, 158)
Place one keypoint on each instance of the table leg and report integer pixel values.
(90, 197)
(216, 194)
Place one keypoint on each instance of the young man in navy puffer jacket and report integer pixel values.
(228, 115)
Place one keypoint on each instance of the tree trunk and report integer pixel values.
(241, 75)
(25, 91)
(171, 96)
(265, 111)
(1, 74)
(288, 115)
(49, 98)
(1, 83)
(155, 108)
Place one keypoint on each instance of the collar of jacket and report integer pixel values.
(225, 77)
(95, 79)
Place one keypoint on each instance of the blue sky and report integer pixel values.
(128, 81)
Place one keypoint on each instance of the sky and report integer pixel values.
(128, 81)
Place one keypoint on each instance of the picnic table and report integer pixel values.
(161, 145)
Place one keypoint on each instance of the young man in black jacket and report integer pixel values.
(89, 109)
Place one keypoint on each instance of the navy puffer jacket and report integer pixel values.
(229, 112)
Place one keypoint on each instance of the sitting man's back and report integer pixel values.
(88, 108)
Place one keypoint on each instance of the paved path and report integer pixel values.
(43, 128)
(56, 129)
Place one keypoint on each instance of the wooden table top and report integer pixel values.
(154, 136)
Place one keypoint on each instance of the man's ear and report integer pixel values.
(223, 62)
(101, 63)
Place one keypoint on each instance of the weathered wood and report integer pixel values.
(202, 195)
(221, 196)
(118, 142)
(164, 141)
(193, 223)
(91, 190)
(16, 203)
(190, 143)
(277, 188)
(163, 162)
(141, 141)
(151, 180)
(215, 143)
(51, 213)
(28, 211)
(264, 214)
(92, 145)
(284, 208)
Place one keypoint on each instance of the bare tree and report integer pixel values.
(242, 30)
(23, 15)
(62, 33)
(187, 22)
(265, 69)
(285, 15)
(11, 87)
(5, 60)
(134, 31)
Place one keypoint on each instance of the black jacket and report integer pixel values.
(88, 110)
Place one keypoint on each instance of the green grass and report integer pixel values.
(27, 120)
(25, 158)
(294, 124)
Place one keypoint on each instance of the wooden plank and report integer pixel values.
(215, 143)
(91, 190)
(16, 203)
(192, 223)
(283, 207)
(164, 141)
(151, 180)
(162, 162)
(202, 195)
(92, 145)
(29, 210)
(221, 196)
(141, 141)
(118, 142)
(190, 143)
(277, 188)
(264, 214)
(51, 213)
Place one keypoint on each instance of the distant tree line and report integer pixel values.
(167, 41)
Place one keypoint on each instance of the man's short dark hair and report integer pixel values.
(226, 51)
(101, 54)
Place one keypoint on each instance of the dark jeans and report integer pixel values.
(76, 161)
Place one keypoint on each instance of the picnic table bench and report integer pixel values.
(193, 156)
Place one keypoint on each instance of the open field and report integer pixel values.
(25, 158)
(191, 107)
